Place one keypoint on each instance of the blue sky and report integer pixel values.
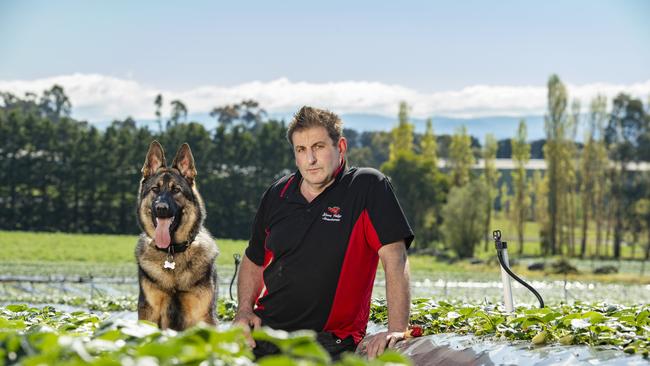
(405, 49)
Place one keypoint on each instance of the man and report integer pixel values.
(316, 241)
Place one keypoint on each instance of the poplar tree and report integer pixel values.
(593, 172)
(418, 184)
(402, 143)
(158, 102)
(521, 199)
(491, 176)
(569, 160)
(555, 124)
(428, 146)
(461, 158)
(540, 185)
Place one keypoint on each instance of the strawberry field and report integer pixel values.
(609, 333)
(44, 336)
(68, 310)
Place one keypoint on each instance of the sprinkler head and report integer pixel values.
(496, 234)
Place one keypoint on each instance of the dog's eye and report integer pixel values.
(176, 190)
(155, 189)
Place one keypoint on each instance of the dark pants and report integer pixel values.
(332, 344)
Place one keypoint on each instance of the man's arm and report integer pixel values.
(249, 285)
(395, 262)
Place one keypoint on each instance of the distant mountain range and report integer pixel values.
(500, 127)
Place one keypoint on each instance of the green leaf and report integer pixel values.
(594, 317)
(12, 324)
(161, 351)
(276, 360)
(311, 351)
(17, 307)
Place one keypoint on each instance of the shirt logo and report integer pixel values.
(332, 214)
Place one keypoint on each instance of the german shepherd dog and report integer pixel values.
(175, 253)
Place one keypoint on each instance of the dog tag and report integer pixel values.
(169, 265)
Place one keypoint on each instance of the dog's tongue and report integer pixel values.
(162, 238)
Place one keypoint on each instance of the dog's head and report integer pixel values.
(170, 209)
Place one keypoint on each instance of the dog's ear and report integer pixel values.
(184, 163)
(154, 160)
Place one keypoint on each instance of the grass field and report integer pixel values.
(532, 243)
(27, 253)
(86, 248)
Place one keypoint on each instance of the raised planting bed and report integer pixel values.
(453, 333)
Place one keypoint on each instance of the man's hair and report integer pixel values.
(308, 117)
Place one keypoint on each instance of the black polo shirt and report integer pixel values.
(320, 257)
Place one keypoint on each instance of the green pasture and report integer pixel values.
(27, 253)
(630, 249)
(21, 246)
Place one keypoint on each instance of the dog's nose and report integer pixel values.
(162, 209)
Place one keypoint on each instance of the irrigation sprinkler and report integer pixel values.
(237, 258)
(506, 273)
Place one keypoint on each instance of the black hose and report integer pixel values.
(539, 298)
(237, 259)
(502, 245)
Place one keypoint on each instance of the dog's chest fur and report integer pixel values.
(197, 259)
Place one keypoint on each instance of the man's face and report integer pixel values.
(317, 156)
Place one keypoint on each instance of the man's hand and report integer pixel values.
(249, 286)
(380, 341)
(248, 320)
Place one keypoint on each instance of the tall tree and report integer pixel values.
(428, 145)
(622, 134)
(402, 143)
(521, 199)
(491, 176)
(461, 158)
(158, 102)
(570, 175)
(540, 186)
(226, 115)
(55, 104)
(418, 184)
(555, 125)
(593, 172)
(179, 112)
(251, 113)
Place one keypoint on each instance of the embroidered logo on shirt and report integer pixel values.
(334, 210)
(332, 214)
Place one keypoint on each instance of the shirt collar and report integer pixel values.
(294, 194)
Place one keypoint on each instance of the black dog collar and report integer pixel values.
(176, 248)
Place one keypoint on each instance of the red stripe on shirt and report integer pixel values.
(284, 189)
(268, 258)
(351, 306)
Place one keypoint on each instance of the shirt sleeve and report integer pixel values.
(386, 217)
(255, 250)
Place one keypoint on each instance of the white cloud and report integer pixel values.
(100, 98)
